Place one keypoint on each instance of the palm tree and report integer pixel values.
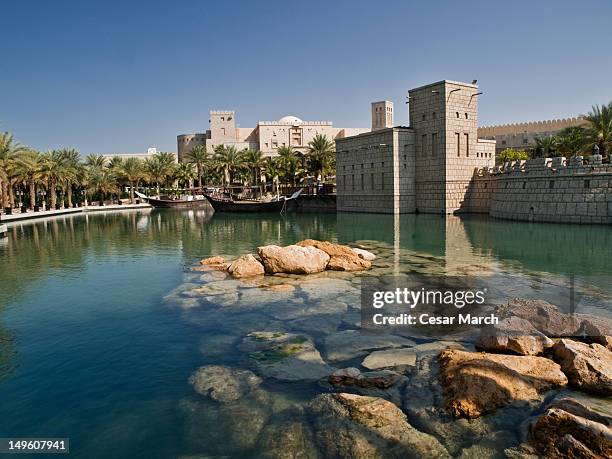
(30, 172)
(132, 170)
(73, 160)
(199, 157)
(55, 164)
(272, 171)
(102, 180)
(545, 147)
(320, 155)
(115, 163)
(230, 160)
(599, 131)
(9, 149)
(572, 140)
(95, 161)
(158, 168)
(185, 174)
(254, 159)
(288, 164)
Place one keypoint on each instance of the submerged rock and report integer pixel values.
(390, 358)
(543, 316)
(355, 426)
(588, 366)
(290, 439)
(224, 384)
(285, 356)
(342, 257)
(349, 344)
(515, 335)
(477, 383)
(246, 266)
(293, 259)
(370, 379)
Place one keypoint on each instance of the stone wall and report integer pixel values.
(544, 190)
(375, 172)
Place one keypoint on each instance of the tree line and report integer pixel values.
(571, 141)
(63, 177)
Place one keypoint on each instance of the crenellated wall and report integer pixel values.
(544, 190)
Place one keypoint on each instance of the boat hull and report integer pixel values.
(177, 204)
(251, 206)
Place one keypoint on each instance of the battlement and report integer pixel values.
(291, 123)
(547, 166)
(532, 126)
(222, 112)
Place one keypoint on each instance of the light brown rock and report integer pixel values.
(515, 335)
(561, 434)
(390, 358)
(355, 426)
(246, 266)
(293, 259)
(596, 329)
(366, 255)
(478, 383)
(545, 317)
(342, 257)
(588, 366)
(212, 261)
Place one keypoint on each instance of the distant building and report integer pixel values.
(267, 136)
(150, 152)
(523, 136)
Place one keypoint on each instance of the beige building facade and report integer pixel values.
(426, 167)
(267, 136)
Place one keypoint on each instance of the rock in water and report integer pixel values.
(390, 358)
(349, 344)
(544, 316)
(342, 257)
(246, 266)
(515, 335)
(355, 426)
(478, 383)
(224, 384)
(569, 429)
(285, 356)
(370, 379)
(588, 366)
(368, 256)
(293, 259)
(596, 329)
(212, 261)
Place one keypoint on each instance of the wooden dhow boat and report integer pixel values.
(280, 204)
(183, 202)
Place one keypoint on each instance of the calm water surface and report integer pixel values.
(97, 343)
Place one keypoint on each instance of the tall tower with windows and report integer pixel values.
(382, 115)
(222, 127)
(444, 118)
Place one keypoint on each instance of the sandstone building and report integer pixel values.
(522, 136)
(425, 167)
(267, 136)
(439, 165)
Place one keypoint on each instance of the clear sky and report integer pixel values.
(119, 76)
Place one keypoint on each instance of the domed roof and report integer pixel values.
(290, 119)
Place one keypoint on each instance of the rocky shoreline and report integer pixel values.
(538, 384)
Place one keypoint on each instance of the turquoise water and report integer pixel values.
(94, 346)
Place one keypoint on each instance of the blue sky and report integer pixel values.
(113, 77)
